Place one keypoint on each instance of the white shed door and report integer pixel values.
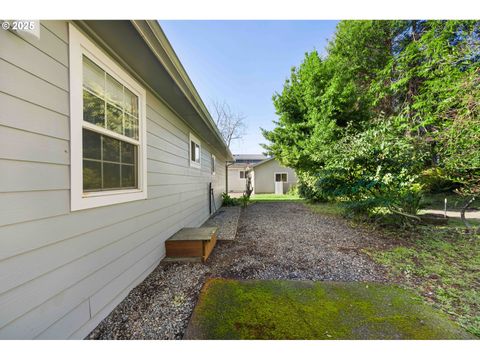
(280, 179)
(278, 188)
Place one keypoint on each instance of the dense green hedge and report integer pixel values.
(391, 111)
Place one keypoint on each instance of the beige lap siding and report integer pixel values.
(235, 183)
(62, 272)
(264, 177)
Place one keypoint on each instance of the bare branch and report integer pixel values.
(231, 124)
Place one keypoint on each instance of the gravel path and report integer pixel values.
(226, 219)
(277, 240)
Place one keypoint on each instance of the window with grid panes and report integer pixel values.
(110, 148)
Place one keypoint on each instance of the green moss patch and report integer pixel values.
(443, 265)
(283, 309)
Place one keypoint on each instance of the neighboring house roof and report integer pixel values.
(239, 166)
(249, 157)
(264, 161)
(143, 49)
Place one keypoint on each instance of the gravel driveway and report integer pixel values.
(275, 240)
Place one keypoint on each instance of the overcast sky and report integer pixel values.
(244, 63)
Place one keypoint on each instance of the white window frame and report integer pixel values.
(80, 45)
(214, 164)
(196, 141)
(281, 173)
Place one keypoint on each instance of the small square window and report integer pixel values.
(242, 174)
(192, 151)
(195, 152)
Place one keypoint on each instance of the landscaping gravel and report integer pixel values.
(226, 219)
(274, 240)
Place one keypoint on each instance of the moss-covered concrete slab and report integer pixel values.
(278, 309)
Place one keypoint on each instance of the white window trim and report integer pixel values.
(214, 164)
(79, 44)
(275, 176)
(195, 140)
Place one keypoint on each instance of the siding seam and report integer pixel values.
(28, 191)
(54, 34)
(35, 104)
(166, 140)
(167, 120)
(187, 175)
(43, 52)
(54, 216)
(35, 132)
(166, 162)
(38, 77)
(169, 153)
(88, 232)
(100, 268)
(89, 309)
(163, 128)
(144, 274)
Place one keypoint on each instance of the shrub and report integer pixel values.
(308, 188)
(435, 180)
(228, 201)
(377, 168)
(293, 191)
(409, 199)
(244, 200)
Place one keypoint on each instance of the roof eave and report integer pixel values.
(156, 39)
(264, 161)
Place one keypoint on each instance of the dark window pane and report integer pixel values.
(277, 177)
(192, 151)
(197, 153)
(91, 145)
(93, 109)
(128, 153)
(111, 149)
(284, 177)
(128, 176)
(111, 176)
(114, 119)
(92, 175)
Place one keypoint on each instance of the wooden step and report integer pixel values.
(196, 243)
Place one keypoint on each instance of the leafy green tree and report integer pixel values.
(389, 101)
